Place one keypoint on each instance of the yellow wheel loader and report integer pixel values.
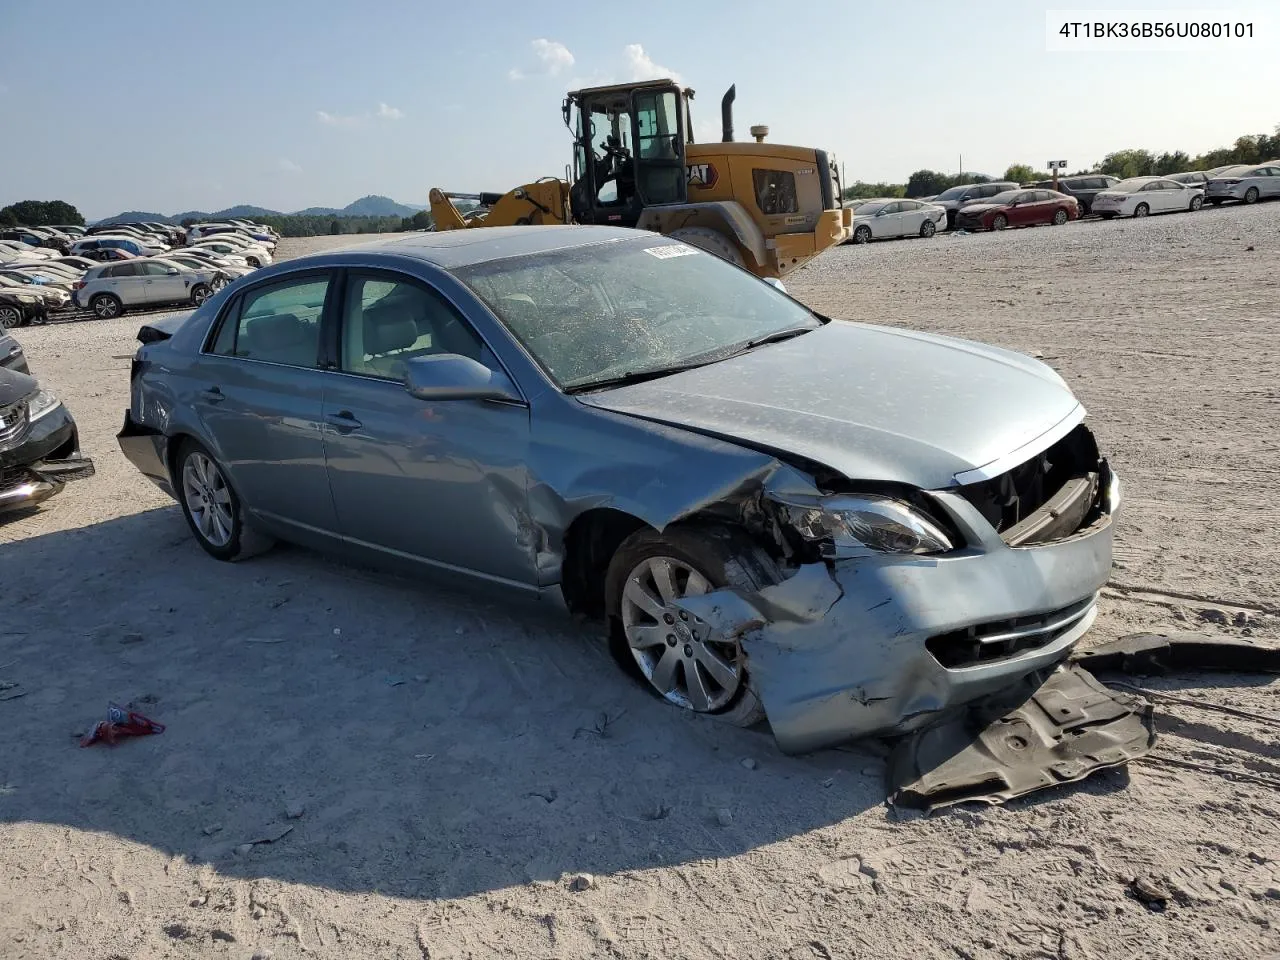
(767, 207)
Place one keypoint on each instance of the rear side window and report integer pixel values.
(775, 191)
(122, 270)
(279, 323)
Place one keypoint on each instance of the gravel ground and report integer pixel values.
(469, 778)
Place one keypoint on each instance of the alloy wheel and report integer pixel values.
(208, 498)
(10, 318)
(680, 655)
(1142, 210)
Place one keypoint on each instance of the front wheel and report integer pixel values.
(928, 229)
(862, 235)
(1251, 195)
(999, 222)
(1196, 203)
(1142, 210)
(212, 508)
(10, 318)
(683, 659)
(253, 262)
(200, 293)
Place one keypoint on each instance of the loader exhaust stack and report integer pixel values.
(726, 112)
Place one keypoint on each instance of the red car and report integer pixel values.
(1018, 208)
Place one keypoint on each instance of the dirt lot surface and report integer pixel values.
(464, 777)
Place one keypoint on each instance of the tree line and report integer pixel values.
(39, 213)
(1258, 148)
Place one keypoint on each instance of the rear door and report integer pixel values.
(912, 217)
(126, 281)
(437, 481)
(258, 391)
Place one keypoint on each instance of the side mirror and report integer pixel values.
(173, 273)
(451, 376)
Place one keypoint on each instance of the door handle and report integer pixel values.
(343, 421)
(213, 395)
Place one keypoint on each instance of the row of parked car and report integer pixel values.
(110, 268)
(1001, 204)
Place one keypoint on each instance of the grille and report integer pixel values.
(14, 423)
(1048, 497)
(1001, 639)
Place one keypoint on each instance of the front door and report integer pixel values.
(659, 137)
(888, 222)
(159, 287)
(435, 481)
(260, 394)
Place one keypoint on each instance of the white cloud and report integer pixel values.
(553, 54)
(335, 119)
(389, 113)
(288, 166)
(552, 57)
(640, 66)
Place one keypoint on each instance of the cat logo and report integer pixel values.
(701, 175)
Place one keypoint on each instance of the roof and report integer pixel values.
(451, 249)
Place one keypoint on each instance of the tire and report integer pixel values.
(203, 487)
(1060, 217)
(717, 557)
(862, 234)
(1251, 195)
(10, 317)
(200, 293)
(253, 262)
(999, 221)
(1141, 210)
(928, 229)
(712, 241)
(1196, 204)
(106, 306)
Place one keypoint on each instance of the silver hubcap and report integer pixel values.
(1060, 218)
(106, 308)
(999, 223)
(201, 295)
(208, 498)
(678, 653)
(8, 318)
(1140, 212)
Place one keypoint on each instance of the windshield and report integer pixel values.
(1005, 197)
(626, 308)
(953, 194)
(872, 207)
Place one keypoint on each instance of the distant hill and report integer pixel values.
(370, 206)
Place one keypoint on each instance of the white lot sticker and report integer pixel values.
(670, 250)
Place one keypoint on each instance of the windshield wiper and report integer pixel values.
(776, 337)
(637, 376)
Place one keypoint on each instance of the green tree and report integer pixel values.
(1176, 162)
(335, 228)
(924, 183)
(1129, 163)
(39, 213)
(861, 190)
(1023, 173)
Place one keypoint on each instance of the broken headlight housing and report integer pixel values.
(844, 526)
(44, 402)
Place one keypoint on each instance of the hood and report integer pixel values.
(872, 403)
(983, 207)
(14, 386)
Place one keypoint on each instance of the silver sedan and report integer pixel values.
(1245, 184)
(887, 219)
(844, 528)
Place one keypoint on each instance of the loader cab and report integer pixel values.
(628, 150)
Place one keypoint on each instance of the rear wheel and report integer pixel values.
(10, 317)
(1196, 203)
(999, 222)
(253, 262)
(1059, 217)
(928, 229)
(1251, 195)
(106, 306)
(862, 234)
(1141, 210)
(212, 509)
(712, 241)
(682, 659)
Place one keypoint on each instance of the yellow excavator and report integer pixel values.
(767, 207)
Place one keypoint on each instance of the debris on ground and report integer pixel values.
(1149, 653)
(582, 881)
(1149, 892)
(1048, 730)
(121, 723)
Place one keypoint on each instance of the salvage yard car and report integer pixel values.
(39, 444)
(1019, 208)
(1246, 184)
(841, 527)
(885, 219)
(19, 309)
(1140, 196)
(108, 289)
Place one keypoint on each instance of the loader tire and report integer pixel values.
(712, 241)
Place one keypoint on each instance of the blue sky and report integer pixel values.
(168, 106)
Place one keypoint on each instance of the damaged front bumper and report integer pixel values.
(42, 462)
(883, 644)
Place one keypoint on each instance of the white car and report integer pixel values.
(883, 219)
(228, 270)
(1140, 196)
(17, 250)
(255, 255)
(55, 297)
(219, 259)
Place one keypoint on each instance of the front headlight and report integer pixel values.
(860, 525)
(44, 402)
